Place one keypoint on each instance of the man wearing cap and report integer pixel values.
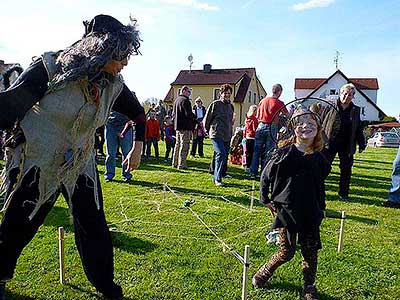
(58, 103)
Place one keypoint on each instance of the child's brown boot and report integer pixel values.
(261, 277)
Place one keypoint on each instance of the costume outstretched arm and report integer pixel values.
(28, 89)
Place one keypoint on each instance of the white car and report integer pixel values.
(384, 139)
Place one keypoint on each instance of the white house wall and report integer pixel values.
(372, 94)
(368, 111)
(301, 93)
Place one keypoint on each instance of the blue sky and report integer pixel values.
(283, 39)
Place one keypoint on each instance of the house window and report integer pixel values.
(363, 111)
(332, 92)
(254, 98)
(217, 94)
(249, 96)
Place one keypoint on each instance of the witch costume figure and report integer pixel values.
(55, 107)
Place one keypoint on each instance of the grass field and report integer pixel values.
(162, 251)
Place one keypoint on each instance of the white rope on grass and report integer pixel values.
(234, 203)
(232, 251)
(161, 235)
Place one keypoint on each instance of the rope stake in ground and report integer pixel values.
(61, 253)
(252, 195)
(246, 266)
(341, 232)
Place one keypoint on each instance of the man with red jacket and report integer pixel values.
(152, 134)
(267, 130)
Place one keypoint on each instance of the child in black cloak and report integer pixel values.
(295, 177)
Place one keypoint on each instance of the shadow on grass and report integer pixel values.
(14, 296)
(332, 214)
(90, 292)
(362, 187)
(130, 244)
(369, 161)
(290, 287)
(186, 192)
(59, 216)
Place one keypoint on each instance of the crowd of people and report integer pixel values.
(64, 101)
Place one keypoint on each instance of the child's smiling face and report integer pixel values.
(306, 127)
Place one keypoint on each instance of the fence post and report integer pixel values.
(245, 271)
(61, 253)
(341, 232)
(252, 195)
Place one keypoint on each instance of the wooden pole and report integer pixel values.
(164, 186)
(252, 195)
(245, 271)
(340, 244)
(61, 253)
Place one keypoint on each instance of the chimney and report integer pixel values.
(207, 68)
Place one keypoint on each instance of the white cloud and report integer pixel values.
(192, 3)
(312, 4)
(248, 3)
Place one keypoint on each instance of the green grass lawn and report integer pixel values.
(162, 251)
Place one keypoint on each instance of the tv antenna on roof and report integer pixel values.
(190, 59)
(336, 59)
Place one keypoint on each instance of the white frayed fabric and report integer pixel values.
(64, 121)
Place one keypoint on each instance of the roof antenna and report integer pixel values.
(336, 59)
(190, 59)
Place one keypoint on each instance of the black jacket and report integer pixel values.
(184, 118)
(296, 184)
(331, 126)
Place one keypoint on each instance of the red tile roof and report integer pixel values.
(216, 76)
(313, 83)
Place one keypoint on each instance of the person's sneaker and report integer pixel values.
(128, 180)
(227, 176)
(107, 179)
(344, 197)
(2, 290)
(247, 171)
(182, 168)
(261, 277)
(218, 183)
(309, 292)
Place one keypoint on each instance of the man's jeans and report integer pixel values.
(263, 144)
(112, 138)
(221, 149)
(394, 193)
